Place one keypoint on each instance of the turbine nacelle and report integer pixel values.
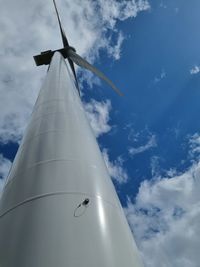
(44, 58)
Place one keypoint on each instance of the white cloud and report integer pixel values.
(89, 77)
(195, 70)
(111, 10)
(163, 5)
(133, 136)
(194, 143)
(150, 144)
(98, 116)
(165, 217)
(115, 168)
(115, 51)
(176, 9)
(132, 8)
(155, 166)
(5, 165)
(160, 77)
(29, 27)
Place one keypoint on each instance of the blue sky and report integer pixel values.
(150, 138)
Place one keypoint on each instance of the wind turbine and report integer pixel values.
(59, 206)
(70, 53)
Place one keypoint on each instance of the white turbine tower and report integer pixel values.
(59, 206)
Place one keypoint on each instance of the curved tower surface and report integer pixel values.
(59, 206)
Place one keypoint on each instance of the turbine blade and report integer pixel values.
(74, 72)
(83, 63)
(64, 38)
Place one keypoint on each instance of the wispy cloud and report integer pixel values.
(115, 168)
(155, 166)
(162, 75)
(115, 51)
(163, 5)
(5, 165)
(133, 135)
(150, 144)
(195, 70)
(98, 116)
(194, 144)
(122, 10)
(165, 217)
